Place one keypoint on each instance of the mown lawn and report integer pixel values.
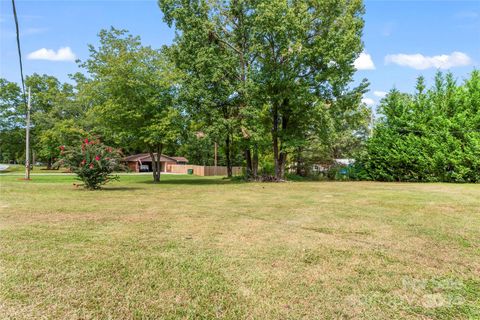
(20, 169)
(204, 248)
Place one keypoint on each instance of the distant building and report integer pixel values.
(323, 167)
(143, 162)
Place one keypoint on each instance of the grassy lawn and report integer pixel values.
(20, 169)
(203, 248)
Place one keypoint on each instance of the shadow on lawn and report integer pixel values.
(119, 189)
(196, 181)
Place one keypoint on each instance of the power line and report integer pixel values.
(19, 51)
(27, 136)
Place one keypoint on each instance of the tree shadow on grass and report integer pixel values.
(195, 181)
(120, 189)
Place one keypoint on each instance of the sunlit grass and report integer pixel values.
(193, 248)
(20, 169)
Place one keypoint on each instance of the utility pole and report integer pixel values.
(215, 172)
(27, 153)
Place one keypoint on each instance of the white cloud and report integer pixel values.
(420, 62)
(62, 54)
(364, 62)
(368, 101)
(380, 94)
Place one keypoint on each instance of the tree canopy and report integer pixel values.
(268, 82)
(432, 135)
(271, 67)
(138, 87)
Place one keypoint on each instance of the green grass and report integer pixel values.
(203, 248)
(20, 169)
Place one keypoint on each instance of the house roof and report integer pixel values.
(145, 157)
(136, 157)
(345, 162)
(180, 159)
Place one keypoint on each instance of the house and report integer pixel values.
(143, 162)
(318, 167)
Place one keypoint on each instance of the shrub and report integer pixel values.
(92, 162)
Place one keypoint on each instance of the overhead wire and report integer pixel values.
(19, 51)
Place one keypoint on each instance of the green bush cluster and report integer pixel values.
(430, 136)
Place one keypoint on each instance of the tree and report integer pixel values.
(54, 117)
(306, 51)
(138, 87)
(52, 103)
(287, 60)
(433, 135)
(12, 122)
(212, 50)
(63, 133)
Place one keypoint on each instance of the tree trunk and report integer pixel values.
(275, 140)
(255, 162)
(49, 163)
(227, 156)
(159, 165)
(283, 154)
(280, 156)
(299, 166)
(248, 159)
(156, 165)
(282, 161)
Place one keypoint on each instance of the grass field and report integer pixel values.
(205, 248)
(20, 169)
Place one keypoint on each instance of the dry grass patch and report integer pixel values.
(202, 248)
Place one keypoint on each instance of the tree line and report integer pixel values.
(269, 82)
(430, 136)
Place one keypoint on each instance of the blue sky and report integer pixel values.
(403, 39)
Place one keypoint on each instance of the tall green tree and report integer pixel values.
(306, 51)
(432, 135)
(285, 60)
(138, 87)
(52, 102)
(12, 122)
(212, 47)
(56, 118)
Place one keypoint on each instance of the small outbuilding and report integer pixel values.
(143, 162)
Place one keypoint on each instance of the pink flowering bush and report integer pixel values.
(92, 162)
